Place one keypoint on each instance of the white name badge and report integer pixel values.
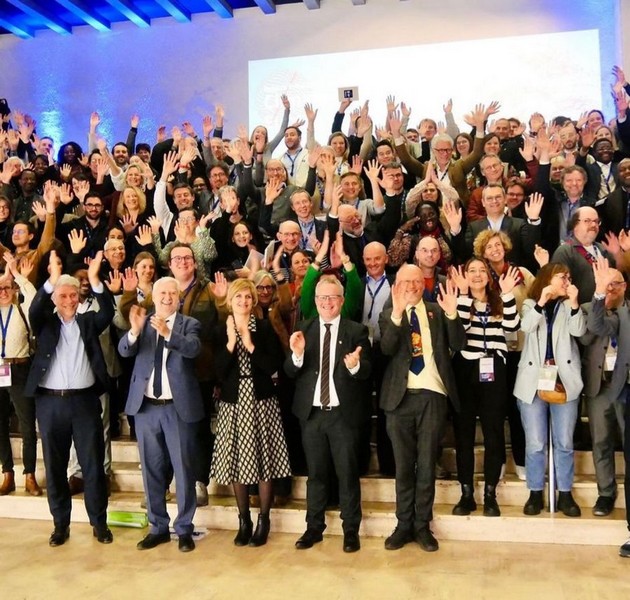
(486, 369)
(547, 377)
(5, 375)
(611, 359)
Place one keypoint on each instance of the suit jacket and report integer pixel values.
(613, 211)
(601, 326)
(184, 346)
(566, 327)
(46, 326)
(265, 361)
(524, 238)
(396, 342)
(354, 401)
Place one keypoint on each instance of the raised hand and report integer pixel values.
(77, 240)
(448, 107)
(624, 240)
(323, 249)
(353, 359)
(508, 281)
(206, 126)
(611, 243)
(114, 285)
(128, 223)
(65, 193)
(135, 121)
(155, 224)
(285, 102)
(345, 103)
(493, 108)
(159, 325)
(81, 190)
(129, 280)
(453, 215)
(54, 267)
(311, 113)
(65, 172)
(447, 299)
(364, 126)
(273, 189)
(459, 279)
(297, 123)
(189, 129)
(26, 267)
(405, 110)
(527, 151)
(95, 119)
(603, 274)
(395, 123)
(587, 137)
(176, 134)
(297, 343)
(313, 155)
(160, 134)
(144, 236)
(541, 255)
(534, 206)
(536, 121)
(357, 165)
(169, 166)
(572, 295)
(373, 170)
(137, 318)
(390, 103)
(220, 286)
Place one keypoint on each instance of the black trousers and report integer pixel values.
(486, 400)
(416, 428)
(61, 420)
(326, 435)
(626, 455)
(25, 410)
(517, 434)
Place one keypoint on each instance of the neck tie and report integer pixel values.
(417, 359)
(325, 386)
(157, 367)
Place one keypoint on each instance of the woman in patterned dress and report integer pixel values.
(250, 446)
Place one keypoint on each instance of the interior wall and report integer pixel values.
(172, 72)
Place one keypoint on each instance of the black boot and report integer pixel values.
(466, 503)
(568, 505)
(245, 527)
(262, 531)
(490, 506)
(534, 504)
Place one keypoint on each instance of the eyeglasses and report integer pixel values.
(90, 205)
(6, 289)
(494, 166)
(181, 259)
(597, 222)
(515, 195)
(443, 149)
(20, 231)
(332, 297)
(264, 288)
(613, 284)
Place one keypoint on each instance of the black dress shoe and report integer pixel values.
(309, 539)
(604, 506)
(186, 543)
(351, 541)
(103, 535)
(152, 540)
(59, 536)
(398, 539)
(427, 542)
(534, 504)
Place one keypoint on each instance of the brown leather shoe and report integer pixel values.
(8, 485)
(31, 486)
(76, 485)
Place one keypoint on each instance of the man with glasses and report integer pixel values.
(524, 234)
(580, 251)
(605, 361)
(330, 361)
(92, 227)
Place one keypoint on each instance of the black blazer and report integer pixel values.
(265, 360)
(396, 342)
(355, 403)
(46, 326)
(613, 212)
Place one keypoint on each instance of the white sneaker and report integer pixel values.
(201, 491)
(521, 473)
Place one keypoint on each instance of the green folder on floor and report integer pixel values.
(123, 518)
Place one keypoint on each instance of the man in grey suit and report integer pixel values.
(165, 399)
(417, 335)
(605, 367)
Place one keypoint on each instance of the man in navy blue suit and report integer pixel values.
(165, 399)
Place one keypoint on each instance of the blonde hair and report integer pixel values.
(121, 209)
(240, 285)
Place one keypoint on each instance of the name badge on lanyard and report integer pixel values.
(5, 375)
(547, 377)
(611, 355)
(486, 369)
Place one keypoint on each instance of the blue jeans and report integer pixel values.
(535, 417)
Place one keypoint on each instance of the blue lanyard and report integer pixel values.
(292, 161)
(305, 237)
(374, 293)
(549, 354)
(5, 328)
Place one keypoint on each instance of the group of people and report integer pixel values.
(401, 276)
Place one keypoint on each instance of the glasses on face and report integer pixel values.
(6, 289)
(90, 205)
(493, 166)
(597, 222)
(327, 297)
(515, 195)
(20, 231)
(264, 288)
(443, 149)
(612, 284)
(181, 259)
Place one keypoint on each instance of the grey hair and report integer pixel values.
(332, 280)
(163, 280)
(67, 280)
(442, 137)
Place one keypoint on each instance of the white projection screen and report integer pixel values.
(554, 73)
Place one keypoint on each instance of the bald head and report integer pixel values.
(428, 252)
(411, 281)
(289, 235)
(375, 259)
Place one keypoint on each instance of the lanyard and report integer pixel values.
(185, 293)
(5, 328)
(374, 293)
(292, 161)
(550, 322)
(307, 229)
(484, 317)
(215, 203)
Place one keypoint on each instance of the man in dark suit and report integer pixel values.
(417, 335)
(615, 211)
(524, 235)
(165, 399)
(67, 377)
(331, 364)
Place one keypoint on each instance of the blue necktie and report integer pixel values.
(417, 358)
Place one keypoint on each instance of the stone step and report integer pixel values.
(511, 492)
(378, 520)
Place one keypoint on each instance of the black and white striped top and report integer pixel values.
(480, 339)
